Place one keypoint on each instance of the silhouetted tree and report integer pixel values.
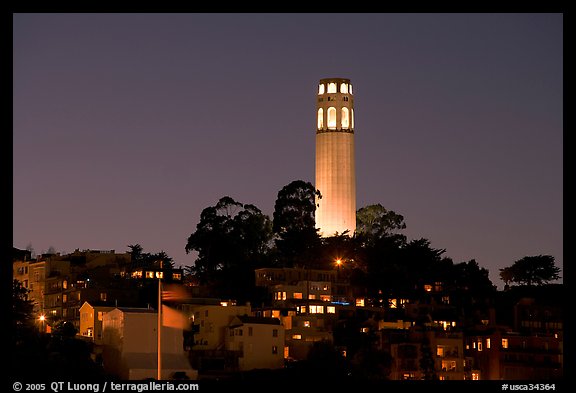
(372, 364)
(139, 258)
(324, 357)
(531, 270)
(232, 239)
(375, 221)
(22, 316)
(297, 239)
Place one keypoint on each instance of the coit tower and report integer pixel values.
(335, 172)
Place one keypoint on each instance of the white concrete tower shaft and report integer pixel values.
(335, 169)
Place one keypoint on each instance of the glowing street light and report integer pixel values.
(42, 319)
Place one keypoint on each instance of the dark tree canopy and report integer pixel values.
(22, 316)
(531, 270)
(297, 239)
(229, 235)
(375, 221)
(295, 207)
(139, 258)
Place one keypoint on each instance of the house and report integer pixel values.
(259, 342)
(91, 319)
(130, 352)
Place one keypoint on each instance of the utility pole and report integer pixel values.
(159, 328)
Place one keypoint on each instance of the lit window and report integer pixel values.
(296, 337)
(428, 288)
(345, 118)
(149, 274)
(332, 87)
(505, 343)
(479, 344)
(65, 284)
(316, 309)
(344, 88)
(393, 303)
(325, 298)
(448, 365)
(286, 352)
(352, 116)
(311, 297)
(159, 274)
(440, 351)
(321, 88)
(100, 315)
(103, 296)
(331, 310)
(360, 302)
(64, 298)
(306, 323)
(365, 330)
(475, 376)
(137, 274)
(320, 118)
(332, 118)
(350, 88)
(487, 343)
(176, 276)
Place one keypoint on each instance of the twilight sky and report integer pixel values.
(126, 126)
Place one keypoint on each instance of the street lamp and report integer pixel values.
(42, 319)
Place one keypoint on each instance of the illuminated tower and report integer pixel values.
(335, 172)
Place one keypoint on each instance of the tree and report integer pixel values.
(375, 221)
(531, 270)
(139, 258)
(294, 223)
(372, 364)
(323, 356)
(229, 236)
(22, 312)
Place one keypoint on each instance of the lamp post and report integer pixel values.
(42, 319)
(338, 264)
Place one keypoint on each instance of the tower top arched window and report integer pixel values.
(345, 119)
(321, 88)
(344, 88)
(320, 118)
(331, 87)
(331, 118)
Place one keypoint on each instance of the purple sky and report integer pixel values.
(126, 126)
